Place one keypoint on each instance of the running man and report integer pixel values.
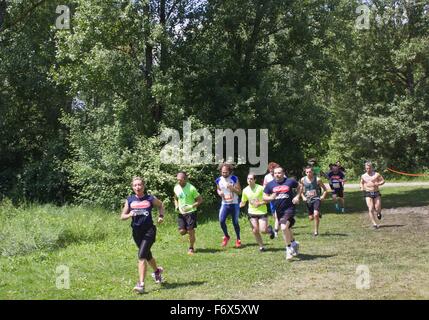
(267, 179)
(311, 194)
(257, 210)
(280, 191)
(228, 188)
(337, 179)
(186, 201)
(139, 207)
(369, 183)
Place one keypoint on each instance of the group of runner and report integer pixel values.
(281, 192)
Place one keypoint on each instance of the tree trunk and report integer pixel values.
(162, 20)
(3, 7)
(410, 79)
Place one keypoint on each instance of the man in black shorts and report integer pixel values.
(186, 200)
(281, 192)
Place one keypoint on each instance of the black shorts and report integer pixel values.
(338, 192)
(372, 194)
(312, 206)
(144, 239)
(187, 221)
(287, 215)
(257, 216)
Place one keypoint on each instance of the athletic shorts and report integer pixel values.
(187, 221)
(371, 194)
(285, 216)
(312, 206)
(338, 192)
(257, 216)
(144, 239)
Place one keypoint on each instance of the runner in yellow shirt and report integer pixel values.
(257, 211)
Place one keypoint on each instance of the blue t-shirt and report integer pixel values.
(336, 179)
(142, 207)
(285, 194)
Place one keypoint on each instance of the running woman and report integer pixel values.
(311, 194)
(280, 191)
(257, 212)
(186, 201)
(267, 179)
(337, 179)
(369, 183)
(139, 207)
(228, 188)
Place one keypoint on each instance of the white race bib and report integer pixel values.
(311, 193)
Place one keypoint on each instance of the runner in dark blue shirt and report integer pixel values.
(337, 178)
(139, 207)
(281, 192)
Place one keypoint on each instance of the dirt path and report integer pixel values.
(396, 255)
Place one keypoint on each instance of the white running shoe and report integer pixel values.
(289, 254)
(139, 288)
(295, 248)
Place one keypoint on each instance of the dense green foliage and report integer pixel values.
(81, 109)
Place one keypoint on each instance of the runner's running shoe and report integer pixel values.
(225, 241)
(237, 243)
(295, 248)
(139, 288)
(157, 275)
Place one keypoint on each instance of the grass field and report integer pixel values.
(100, 255)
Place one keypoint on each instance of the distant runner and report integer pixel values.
(186, 201)
(369, 183)
(139, 207)
(257, 211)
(311, 194)
(337, 179)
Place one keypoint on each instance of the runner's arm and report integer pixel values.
(126, 213)
(361, 184)
(325, 191)
(295, 200)
(236, 188)
(160, 206)
(302, 192)
(268, 198)
(198, 202)
(381, 180)
(219, 191)
(176, 203)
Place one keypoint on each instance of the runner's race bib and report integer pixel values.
(311, 193)
(336, 185)
(228, 197)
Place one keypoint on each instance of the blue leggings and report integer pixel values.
(234, 210)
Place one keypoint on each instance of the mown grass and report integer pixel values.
(98, 250)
